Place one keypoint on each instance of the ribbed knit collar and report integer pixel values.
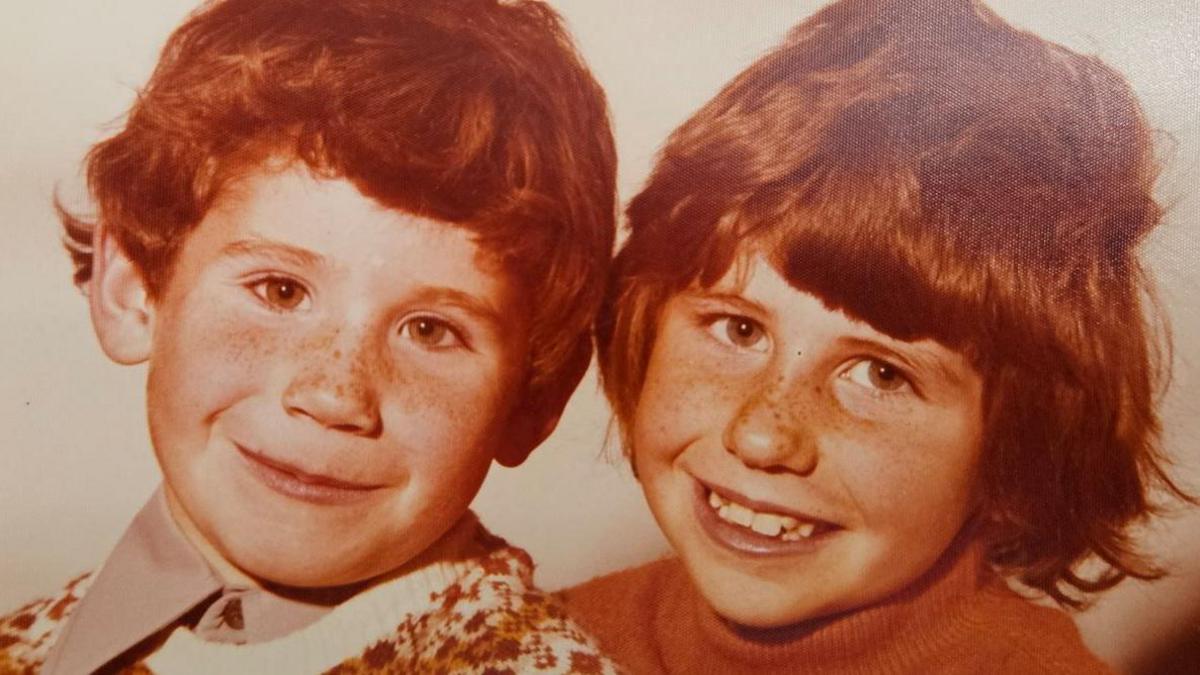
(895, 635)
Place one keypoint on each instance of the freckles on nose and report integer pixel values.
(780, 426)
(335, 382)
(811, 410)
(331, 362)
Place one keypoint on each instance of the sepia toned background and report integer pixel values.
(75, 462)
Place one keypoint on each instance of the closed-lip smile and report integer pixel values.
(294, 482)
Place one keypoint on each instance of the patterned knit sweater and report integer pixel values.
(477, 615)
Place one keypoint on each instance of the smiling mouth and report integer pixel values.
(787, 528)
(755, 527)
(296, 483)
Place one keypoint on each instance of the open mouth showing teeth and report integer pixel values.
(783, 527)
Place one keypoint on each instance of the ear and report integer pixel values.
(122, 313)
(528, 427)
(532, 421)
(535, 417)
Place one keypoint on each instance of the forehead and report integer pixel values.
(323, 230)
(333, 220)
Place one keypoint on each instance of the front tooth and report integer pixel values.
(765, 523)
(714, 500)
(806, 529)
(741, 515)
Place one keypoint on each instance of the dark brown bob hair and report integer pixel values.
(930, 170)
(474, 112)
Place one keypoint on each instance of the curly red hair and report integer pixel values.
(474, 112)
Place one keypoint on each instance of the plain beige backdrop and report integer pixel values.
(75, 462)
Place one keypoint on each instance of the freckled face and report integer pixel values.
(800, 462)
(329, 380)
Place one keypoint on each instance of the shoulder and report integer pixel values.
(1028, 638)
(491, 619)
(631, 587)
(27, 634)
(625, 610)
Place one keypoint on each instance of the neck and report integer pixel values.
(226, 571)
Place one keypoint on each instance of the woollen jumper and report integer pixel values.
(959, 618)
(472, 615)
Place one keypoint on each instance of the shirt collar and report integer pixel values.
(154, 577)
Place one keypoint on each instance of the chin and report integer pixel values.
(302, 566)
(756, 604)
(760, 616)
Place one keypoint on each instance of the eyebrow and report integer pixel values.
(262, 248)
(741, 302)
(465, 301)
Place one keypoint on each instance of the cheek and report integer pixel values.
(447, 432)
(919, 480)
(205, 361)
(685, 396)
(443, 413)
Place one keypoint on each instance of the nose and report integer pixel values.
(335, 388)
(769, 432)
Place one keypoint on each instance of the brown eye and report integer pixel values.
(885, 376)
(743, 332)
(878, 375)
(429, 332)
(281, 293)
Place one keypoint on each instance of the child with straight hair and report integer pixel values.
(877, 344)
(360, 245)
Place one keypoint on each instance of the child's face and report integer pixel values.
(329, 380)
(801, 463)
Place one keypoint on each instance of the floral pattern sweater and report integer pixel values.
(476, 615)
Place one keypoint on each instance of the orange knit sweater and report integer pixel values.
(959, 618)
